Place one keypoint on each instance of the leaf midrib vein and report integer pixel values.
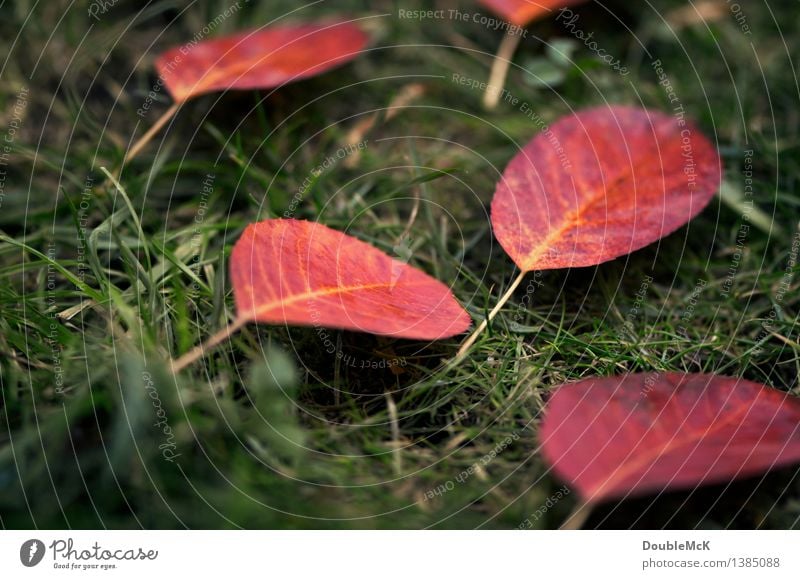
(675, 442)
(572, 218)
(282, 303)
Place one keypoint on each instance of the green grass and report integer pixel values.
(100, 287)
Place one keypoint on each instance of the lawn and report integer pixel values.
(290, 427)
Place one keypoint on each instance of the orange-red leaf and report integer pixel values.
(600, 184)
(522, 12)
(640, 433)
(258, 59)
(286, 271)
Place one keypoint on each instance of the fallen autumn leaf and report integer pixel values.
(622, 436)
(599, 184)
(287, 271)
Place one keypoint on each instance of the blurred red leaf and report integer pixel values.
(639, 433)
(600, 184)
(522, 12)
(258, 59)
(286, 271)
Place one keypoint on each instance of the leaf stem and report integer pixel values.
(462, 352)
(137, 147)
(578, 517)
(497, 77)
(212, 342)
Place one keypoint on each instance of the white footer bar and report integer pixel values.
(401, 554)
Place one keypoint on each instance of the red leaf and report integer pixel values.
(258, 59)
(293, 272)
(640, 433)
(522, 12)
(600, 184)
